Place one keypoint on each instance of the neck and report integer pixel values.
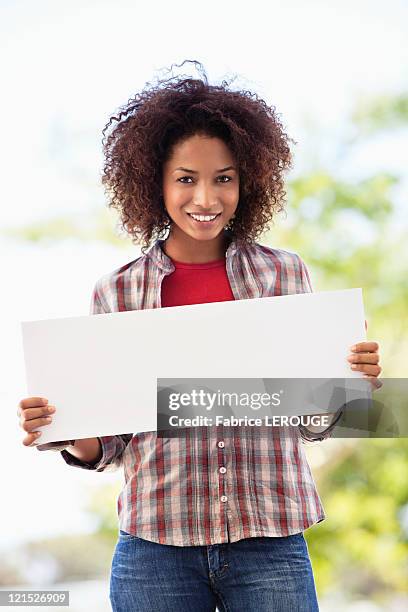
(181, 247)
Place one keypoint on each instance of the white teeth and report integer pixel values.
(202, 217)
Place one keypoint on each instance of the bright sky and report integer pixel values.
(67, 66)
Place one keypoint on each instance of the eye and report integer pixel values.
(184, 177)
(225, 176)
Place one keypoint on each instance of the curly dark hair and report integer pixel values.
(140, 137)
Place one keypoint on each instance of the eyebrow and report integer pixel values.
(196, 171)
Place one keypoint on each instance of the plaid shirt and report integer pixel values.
(218, 484)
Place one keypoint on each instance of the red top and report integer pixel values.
(196, 283)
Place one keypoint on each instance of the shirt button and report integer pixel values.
(223, 470)
(221, 444)
(224, 498)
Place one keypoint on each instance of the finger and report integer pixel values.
(31, 402)
(35, 413)
(372, 358)
(32, 438)
(375, 382)
(34, 424)
(371, 370)
(365, 322)
(369, 347)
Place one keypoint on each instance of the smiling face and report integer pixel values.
(200, 192)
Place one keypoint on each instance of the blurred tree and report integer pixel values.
(98, 225)
(350, 235)
(79, 557)
(347, 236)
(363, 547)
(384, 112)
(103, 505)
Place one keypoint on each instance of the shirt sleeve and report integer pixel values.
(113, 447)
(305, 282)
(112, 452)
(324, 434)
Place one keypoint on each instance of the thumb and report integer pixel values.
(55, 446)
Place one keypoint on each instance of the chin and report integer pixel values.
(205, 235)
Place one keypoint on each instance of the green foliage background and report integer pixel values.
(350, 235)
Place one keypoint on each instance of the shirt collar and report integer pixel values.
(159, 257)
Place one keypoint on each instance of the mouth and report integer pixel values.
(204, 220)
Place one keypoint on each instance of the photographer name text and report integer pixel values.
(315, 420)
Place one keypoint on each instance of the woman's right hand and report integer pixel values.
(34, 412)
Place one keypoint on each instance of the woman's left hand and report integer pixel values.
(364, 358)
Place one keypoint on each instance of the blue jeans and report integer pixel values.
(264, 574)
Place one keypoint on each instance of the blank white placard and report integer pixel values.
(101, 371)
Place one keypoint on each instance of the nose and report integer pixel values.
(204, 198)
